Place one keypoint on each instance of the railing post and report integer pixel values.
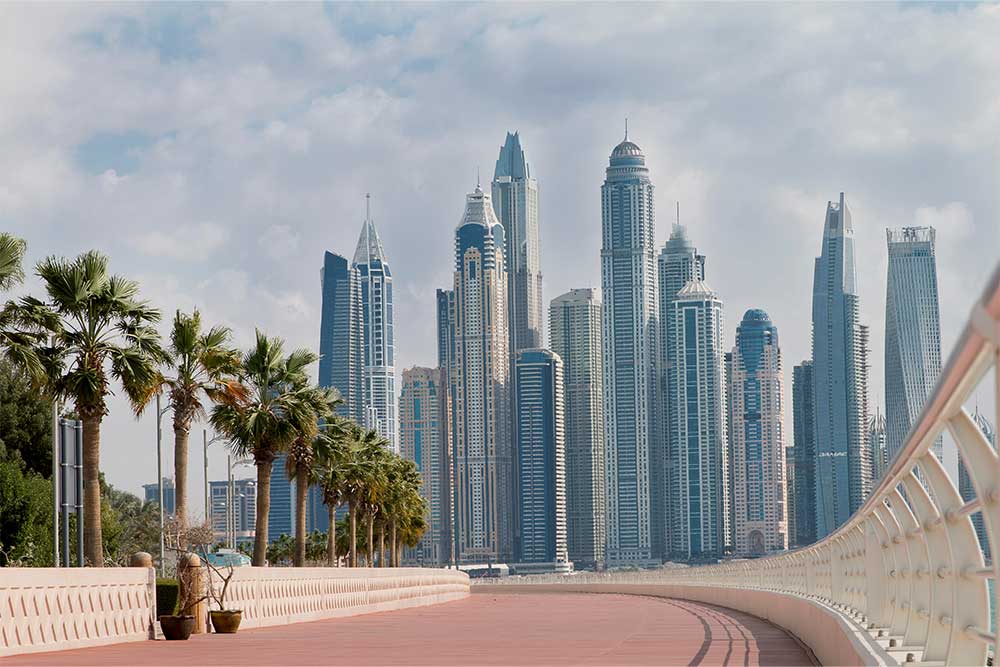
(910, 549)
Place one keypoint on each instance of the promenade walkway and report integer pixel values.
(484, 629)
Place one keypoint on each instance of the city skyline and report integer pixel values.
(252, 221)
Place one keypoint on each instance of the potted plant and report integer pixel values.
(180, 624)
(224, 621)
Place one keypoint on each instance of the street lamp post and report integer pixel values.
(206, 442)
(159, 469)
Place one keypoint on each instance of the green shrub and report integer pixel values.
(166, 597)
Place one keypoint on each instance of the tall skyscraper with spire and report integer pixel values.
(629, 321)
(483, 472)
(912, 332)
(515, 201)
(840, 372)
(677, 264)
(377, 323)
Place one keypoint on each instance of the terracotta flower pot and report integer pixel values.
(226, 622)
(177, 627)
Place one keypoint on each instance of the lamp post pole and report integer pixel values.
(159, 470)
(206, 441)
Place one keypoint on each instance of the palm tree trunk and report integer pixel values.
(180, 476)
(331, 537)
(371, 539)
(93, 543)
(301, 493)
(352, 511)
(381, 544)
(394, 544)
(263, 507)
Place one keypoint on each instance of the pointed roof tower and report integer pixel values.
(511, 161)
(369, 244)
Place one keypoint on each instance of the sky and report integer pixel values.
(215, 151)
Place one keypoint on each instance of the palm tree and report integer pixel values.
(331, 447)
(363, 480)
(405, 507)
(300, 467)
(101, 332)
(279, 406)
(205, 366)
(22, 327)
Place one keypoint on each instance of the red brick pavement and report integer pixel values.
(485, 629)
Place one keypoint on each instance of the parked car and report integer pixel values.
(227, 557)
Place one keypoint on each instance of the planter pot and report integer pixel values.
(226, 622)
(177, 627)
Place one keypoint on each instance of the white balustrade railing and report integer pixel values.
(906, 570)
(281, 595)
(50, 609)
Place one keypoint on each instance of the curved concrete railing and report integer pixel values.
(905, 576)
(50, 609)
(281, 595)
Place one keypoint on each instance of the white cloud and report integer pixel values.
(266, 134)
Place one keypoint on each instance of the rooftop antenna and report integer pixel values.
(368, 206)
(678, 214)
(478, 182)
(626, 128)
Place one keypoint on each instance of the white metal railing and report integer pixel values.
(907, 568)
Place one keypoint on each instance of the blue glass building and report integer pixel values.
(840, 373)
(541, 459)
(802, 494)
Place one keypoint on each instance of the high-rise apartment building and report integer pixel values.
(541, 462)
(699, 482)
(483, 475)
(757, 440)
(281, 514)
(840, 371)
(677, 264)
(912, 331)
(234, 511)
(420, 442)
(878, 449)
(446, 418)
(515, 201)
(378, 349)
(790, 496)
(629, 329)
(575, 335)
(341, 336)
(152, 495)
(804, 454)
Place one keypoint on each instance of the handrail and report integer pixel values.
(907, 569)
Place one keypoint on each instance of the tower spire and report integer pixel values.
(368, 207)
(626, 128)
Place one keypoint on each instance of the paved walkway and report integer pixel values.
(484, 629)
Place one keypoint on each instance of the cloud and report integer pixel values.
(184, 242)
(254, 133)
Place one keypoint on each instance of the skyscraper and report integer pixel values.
(515, 201)
(341, 336)
(281, 513)
(629, 328)
(483, 479)
(420, 442)
(804, 453)
(840, 368)
(757, 438)
(541, 462)
(152, 495)
(575, 335)
(878, 451)
(379, 339)
(677, 264)
(699, 489)
(912, 331)
(446, 417)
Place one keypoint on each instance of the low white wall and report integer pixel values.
(834, 639)
(281, 595)
(51, 609)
